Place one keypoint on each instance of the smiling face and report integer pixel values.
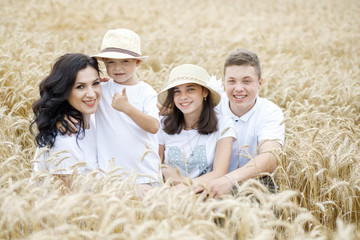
(188, 98)
(122, 70)
(241, 86)
(86, 92)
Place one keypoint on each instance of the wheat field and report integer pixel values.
(310, 59)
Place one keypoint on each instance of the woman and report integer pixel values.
(193, 139)
(71, 91)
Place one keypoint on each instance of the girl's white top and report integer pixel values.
(192, 153)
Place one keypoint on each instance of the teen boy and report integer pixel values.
(258, 123)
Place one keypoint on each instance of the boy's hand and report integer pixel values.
(72, 129)
(104, 79)
(120, 101)
(215, 188)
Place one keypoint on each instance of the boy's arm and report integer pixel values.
(265, 162)
(72, 127)
(146, 122)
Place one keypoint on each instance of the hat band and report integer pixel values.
(188, 78)
(121, 50)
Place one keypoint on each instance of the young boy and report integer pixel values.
(127, 118)
(258, 122)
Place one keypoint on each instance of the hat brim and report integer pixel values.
(162, 95)
(116, 55)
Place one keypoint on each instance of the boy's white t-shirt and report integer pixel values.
(263, 122)
(68, 151)
(193, 153)
(120, 141)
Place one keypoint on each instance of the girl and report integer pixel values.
(193, 140)
(71, 91)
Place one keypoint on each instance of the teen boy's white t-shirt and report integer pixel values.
(68, 151)
(263, 122)
(120, 141)
(193, 153)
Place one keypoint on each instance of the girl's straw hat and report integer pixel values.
(121, 44)
(188, 73)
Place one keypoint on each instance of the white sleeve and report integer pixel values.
(40, 159)
(226, 127)
(63, 155)
(273, 126)
(160, 135)
(150, 104)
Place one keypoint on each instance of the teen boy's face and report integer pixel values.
(86, 92)
(241, 87)
(122, 70)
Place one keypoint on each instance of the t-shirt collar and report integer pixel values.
(246, 116)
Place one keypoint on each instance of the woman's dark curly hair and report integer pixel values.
(53, 107)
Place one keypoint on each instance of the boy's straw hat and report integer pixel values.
(121, 44)
(188, 73)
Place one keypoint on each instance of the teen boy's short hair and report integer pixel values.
(241, 56)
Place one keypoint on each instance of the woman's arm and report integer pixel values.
(161, 152)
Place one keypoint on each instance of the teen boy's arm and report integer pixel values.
(271, 132)
(265, 162)
(146, 122)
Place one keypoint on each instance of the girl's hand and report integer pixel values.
(142, 189)
(172, 174)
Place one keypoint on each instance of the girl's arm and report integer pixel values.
(167, 171)
(221, 161)
(161, 152)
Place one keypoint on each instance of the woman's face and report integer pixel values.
(189, 97)
(86, 92)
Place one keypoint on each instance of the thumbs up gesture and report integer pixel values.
(120, 101)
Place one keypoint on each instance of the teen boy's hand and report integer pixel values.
(215, 188)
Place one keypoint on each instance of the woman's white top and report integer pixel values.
(69, 153)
